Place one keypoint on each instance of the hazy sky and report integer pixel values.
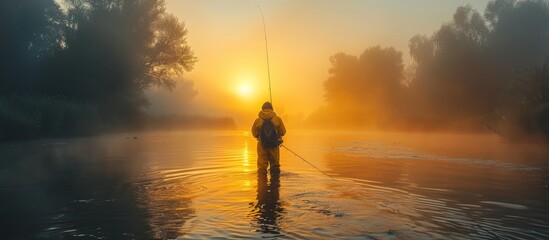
(227, 37)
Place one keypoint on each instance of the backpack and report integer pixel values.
(268, 134)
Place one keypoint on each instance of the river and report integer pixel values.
(204, 184)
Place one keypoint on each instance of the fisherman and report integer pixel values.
(268, 128)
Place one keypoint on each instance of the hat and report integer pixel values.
(267, 105)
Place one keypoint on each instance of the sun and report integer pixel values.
(244, 90)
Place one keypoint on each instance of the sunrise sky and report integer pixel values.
(227, 37)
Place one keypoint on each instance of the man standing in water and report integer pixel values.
(268, 128)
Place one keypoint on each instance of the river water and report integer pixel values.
(200, 184)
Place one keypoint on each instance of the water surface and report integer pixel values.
(167, 185)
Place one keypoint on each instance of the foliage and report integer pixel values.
(523, 108)
(463, 68)
(463, 76)
(450, 65)
(116, 50)
(99, 54)
(30, 31)
(469, 68)
(365, 85)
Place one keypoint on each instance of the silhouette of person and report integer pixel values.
(268, 209)
(268, 156)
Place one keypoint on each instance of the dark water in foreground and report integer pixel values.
(204, 185)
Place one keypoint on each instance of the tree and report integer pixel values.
(452, 79)
(114, 50)
(30, 31)
(365, 90)
(85, 68)
(523, 108)
(462, 76)
(519, 36)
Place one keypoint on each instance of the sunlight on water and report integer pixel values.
(193, 185)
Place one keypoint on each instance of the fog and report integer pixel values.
(479, 72)
(73, 68)
(131, 119)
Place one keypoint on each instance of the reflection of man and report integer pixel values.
(268, 207)
(268, 128)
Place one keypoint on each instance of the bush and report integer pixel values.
(523, 109)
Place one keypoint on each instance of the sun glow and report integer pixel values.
(244, 87)
(244, 90)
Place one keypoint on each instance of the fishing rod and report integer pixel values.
(266, 51)
(271, 94)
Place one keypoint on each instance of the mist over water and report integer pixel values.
(198, 184)
(110, 72)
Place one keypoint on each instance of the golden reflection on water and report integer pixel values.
(218, 188)
(245, 157)
(203, 185)
(246, 164)
(220, 193)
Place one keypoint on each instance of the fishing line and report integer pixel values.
(320, 170)
(266, 51)
(363, 196)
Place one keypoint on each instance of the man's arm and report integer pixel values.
(281, 128)
(255, 128)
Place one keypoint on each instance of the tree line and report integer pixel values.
(76, 67)
(478, 72)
